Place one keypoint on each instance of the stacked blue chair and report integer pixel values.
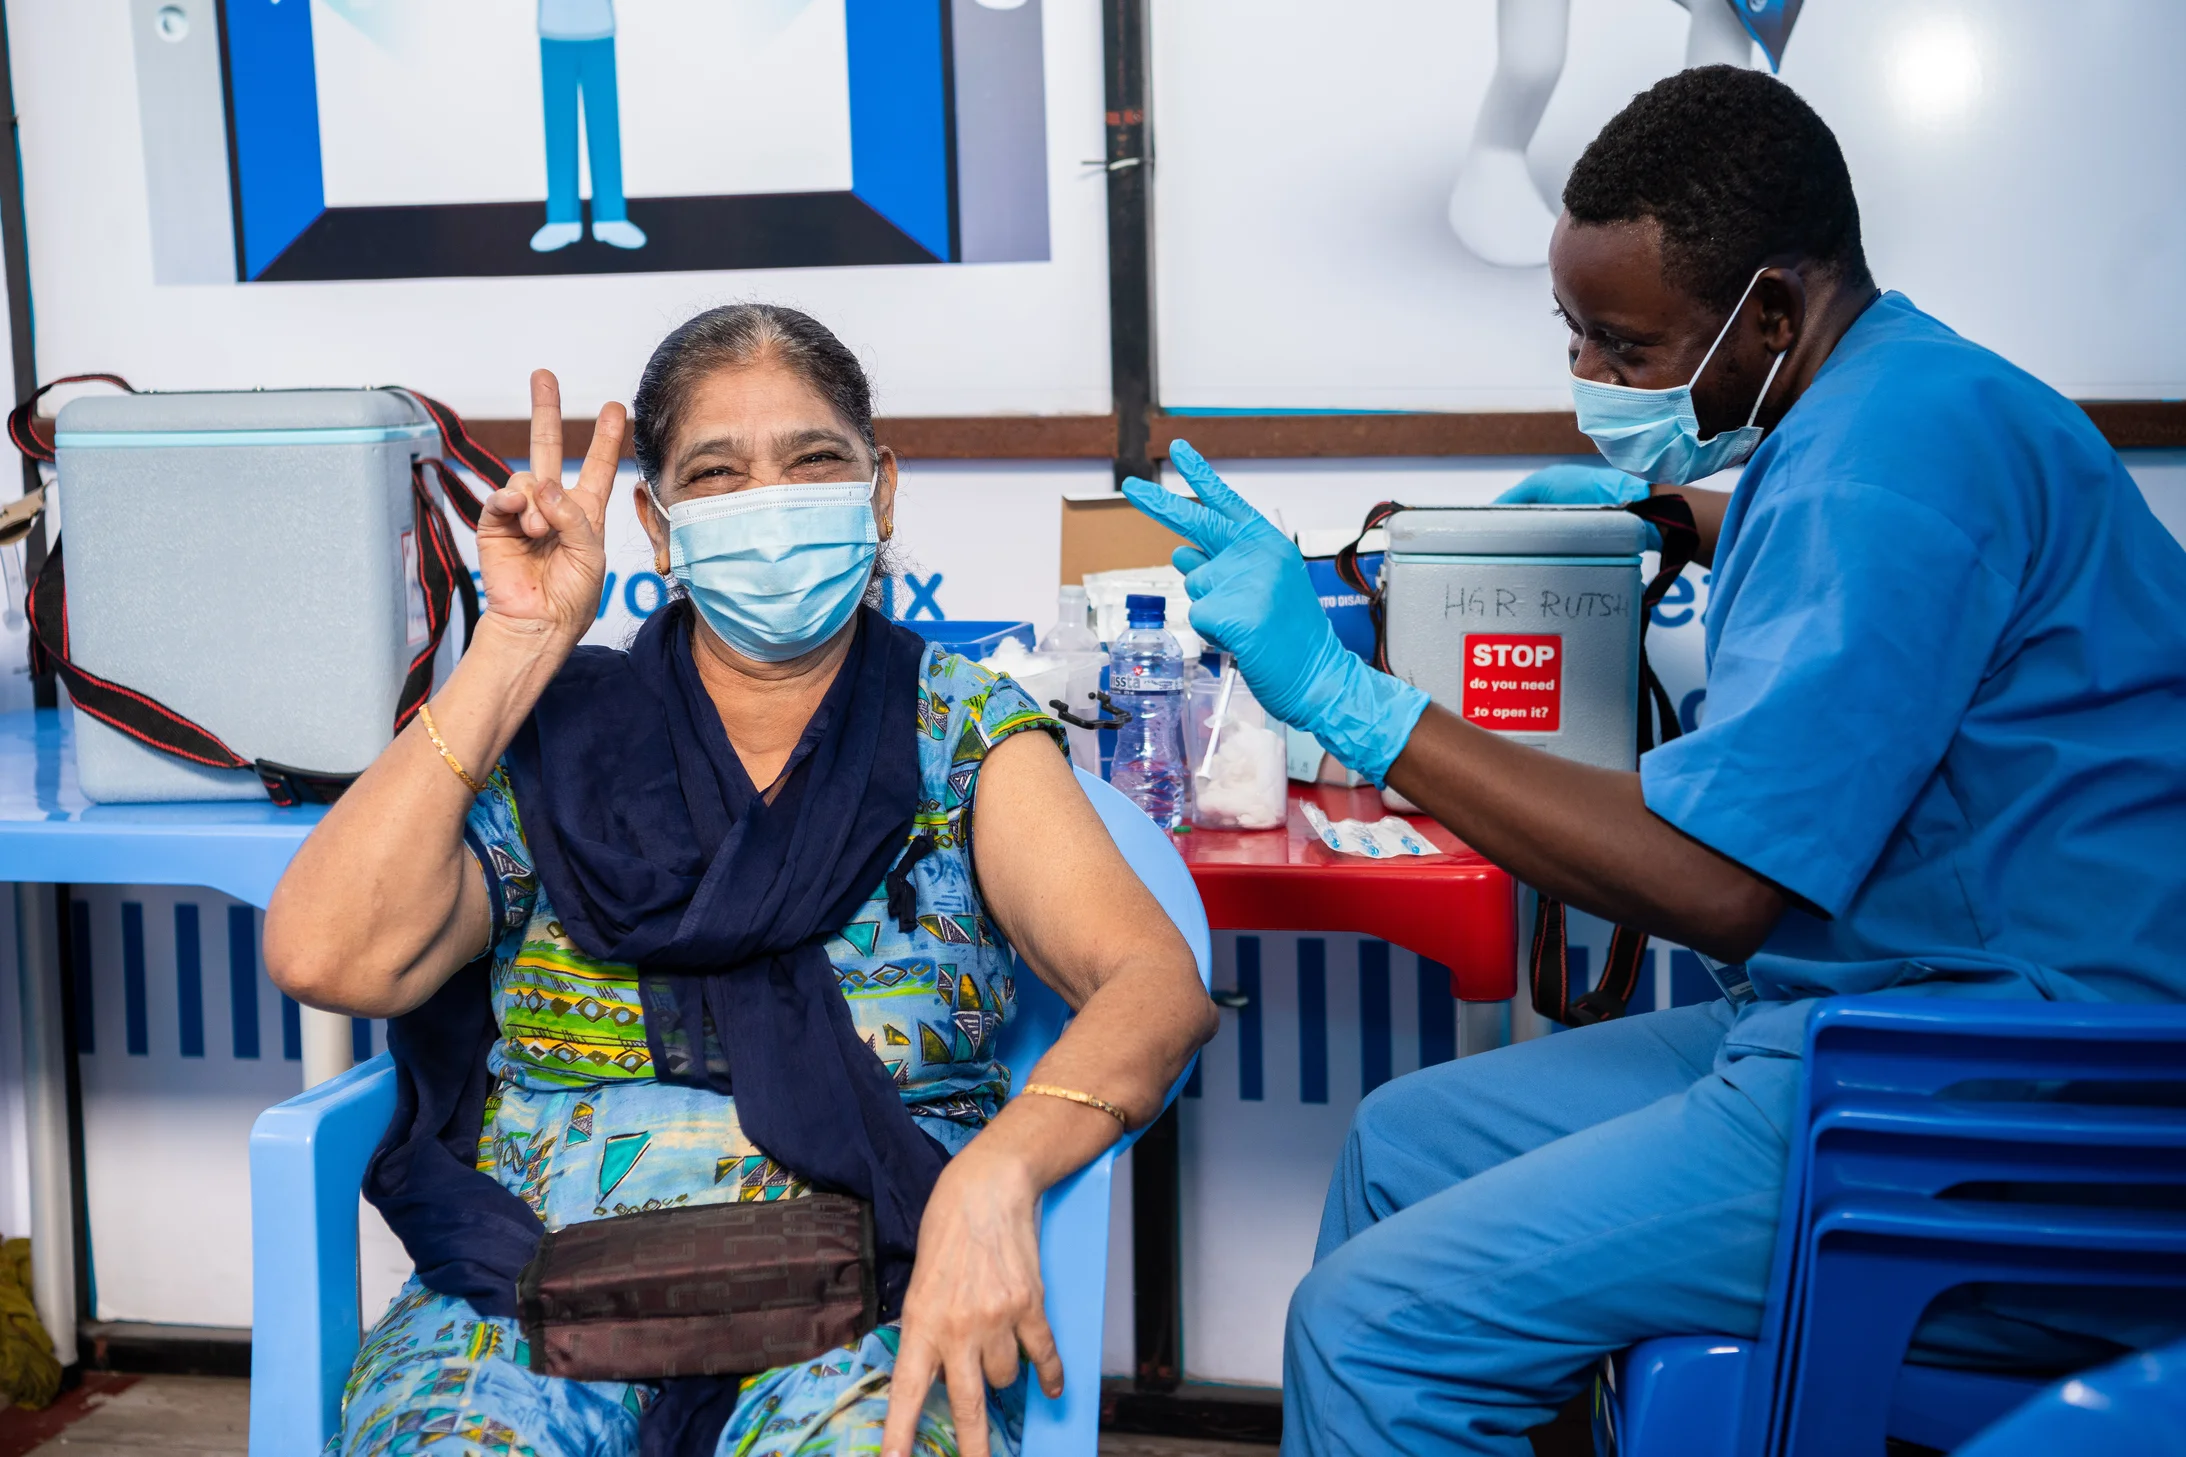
(2135, 1407)
(1928, 1122)
(307, 1159)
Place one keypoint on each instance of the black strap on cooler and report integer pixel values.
(1549, 965)
(1354, 577)
(1550, 962)
(1673, 517)
(441, 574)
(22, 420)
(456, 436)
(1549, 970)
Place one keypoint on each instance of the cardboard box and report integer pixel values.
(1103, 532)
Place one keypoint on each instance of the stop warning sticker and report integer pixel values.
(1514, 681)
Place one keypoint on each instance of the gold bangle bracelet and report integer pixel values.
(425, 716)
(1070, 1095)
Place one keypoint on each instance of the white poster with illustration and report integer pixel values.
(228, 194)
(414, 138)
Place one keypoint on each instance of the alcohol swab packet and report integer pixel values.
(1384, 839)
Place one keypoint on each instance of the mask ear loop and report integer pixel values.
(1755, 413)
(1720, 334)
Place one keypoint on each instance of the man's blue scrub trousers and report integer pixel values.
(1458, 1297)
(1947, 713)
(567, 67)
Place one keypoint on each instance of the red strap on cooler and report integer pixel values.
(441, 575)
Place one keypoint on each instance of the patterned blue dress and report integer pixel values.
(577, 1127)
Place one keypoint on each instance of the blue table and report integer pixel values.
(50, 834)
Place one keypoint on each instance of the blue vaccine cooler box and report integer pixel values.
(1523, 620)
(250, 560)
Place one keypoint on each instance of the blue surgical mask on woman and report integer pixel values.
(1654, 434)
(777, 570)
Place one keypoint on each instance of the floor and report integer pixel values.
(129, 1416)
(209, 1416)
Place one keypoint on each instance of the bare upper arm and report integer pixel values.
(1054, 880)
(345, 974)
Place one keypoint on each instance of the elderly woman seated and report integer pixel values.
(705, 921)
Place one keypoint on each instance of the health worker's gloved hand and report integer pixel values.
(1581, 485)
(1252, 598)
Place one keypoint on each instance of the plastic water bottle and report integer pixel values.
(1146, 680)
(1070, 634)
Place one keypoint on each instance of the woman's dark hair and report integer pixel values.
(730, 337)
(1737, 170)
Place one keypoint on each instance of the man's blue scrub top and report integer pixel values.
(1946, 686)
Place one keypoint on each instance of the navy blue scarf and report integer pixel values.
(656, 849)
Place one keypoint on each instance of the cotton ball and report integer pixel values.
(1247, 781)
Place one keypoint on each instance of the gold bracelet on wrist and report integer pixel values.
(1071, 1095)
(425, 716)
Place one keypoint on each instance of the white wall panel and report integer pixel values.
(2004, 153)
(182, 1042)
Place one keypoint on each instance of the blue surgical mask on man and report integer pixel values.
(1654, 434)
(777, 570)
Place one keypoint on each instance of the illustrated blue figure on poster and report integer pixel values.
(577, 59)
(1496, 208)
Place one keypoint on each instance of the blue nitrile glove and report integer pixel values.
(1251, 598)
(1581, 485)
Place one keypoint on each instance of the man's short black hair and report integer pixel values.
(1736, 168)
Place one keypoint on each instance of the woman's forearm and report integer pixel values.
(383, 902)
(1127, 1046)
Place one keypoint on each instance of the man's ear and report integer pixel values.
(884, 493)
(1783, 299)
(655, 522)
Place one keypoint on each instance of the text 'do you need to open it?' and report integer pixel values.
(1514, 682)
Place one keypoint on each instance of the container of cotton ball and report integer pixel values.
(1239, 776)
(1047, 676)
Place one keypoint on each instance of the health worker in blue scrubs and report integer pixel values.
(1944, 755)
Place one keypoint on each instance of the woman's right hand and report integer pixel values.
(542, 549)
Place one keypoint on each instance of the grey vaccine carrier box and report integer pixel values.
(1524, 620)
(250, 560)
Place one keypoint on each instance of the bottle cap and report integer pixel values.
(1144, 609)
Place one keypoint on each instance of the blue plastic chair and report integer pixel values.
(307, 1159)
(1918, 1111)
(2135, 1407)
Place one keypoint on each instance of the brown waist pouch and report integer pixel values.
(716, 1290)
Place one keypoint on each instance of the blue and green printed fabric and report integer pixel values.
(578, 1128)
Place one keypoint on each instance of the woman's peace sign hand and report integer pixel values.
(542, 548)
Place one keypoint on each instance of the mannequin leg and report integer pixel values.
(1495, 209)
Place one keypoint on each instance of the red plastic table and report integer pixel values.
(1454, 908)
